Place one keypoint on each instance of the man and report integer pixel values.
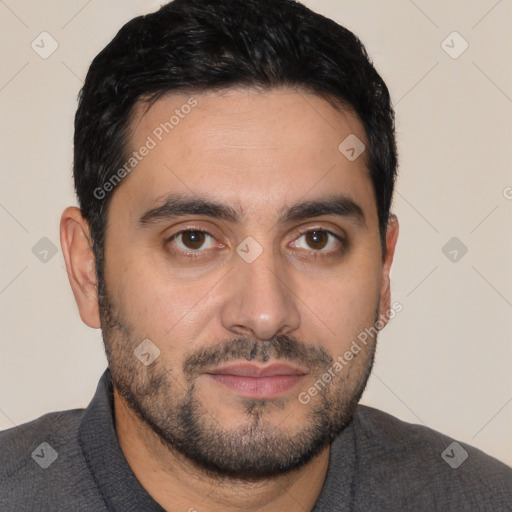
(234, 165)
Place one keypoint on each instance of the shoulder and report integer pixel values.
(18, 443)
(385, 433)
(41, 464)
(422, 466)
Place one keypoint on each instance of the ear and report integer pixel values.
(385, 288)
(76, 245)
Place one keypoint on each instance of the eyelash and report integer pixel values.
(319, 254)
(190, 253)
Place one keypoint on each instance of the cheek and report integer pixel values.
(343, 305)
(159, 304)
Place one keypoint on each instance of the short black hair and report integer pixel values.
(203, 45)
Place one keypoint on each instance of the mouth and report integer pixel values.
(258, 382)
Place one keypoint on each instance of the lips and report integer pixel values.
(253, 381)
(252, 370)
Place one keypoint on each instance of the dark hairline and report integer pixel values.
(147, 102)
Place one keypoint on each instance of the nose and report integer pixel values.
(261, 302)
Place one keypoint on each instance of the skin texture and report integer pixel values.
(190, 440)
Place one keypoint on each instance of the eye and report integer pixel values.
(192, 240)
(320, 240)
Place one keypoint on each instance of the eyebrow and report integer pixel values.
(182, 205)
(340, 205)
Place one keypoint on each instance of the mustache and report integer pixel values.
(282, 347)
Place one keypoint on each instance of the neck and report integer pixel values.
(176, 483)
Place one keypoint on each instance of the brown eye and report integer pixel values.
(317, 239)
(193, 239)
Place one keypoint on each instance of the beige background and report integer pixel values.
(445, 360)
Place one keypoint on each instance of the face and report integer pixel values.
(244, 248)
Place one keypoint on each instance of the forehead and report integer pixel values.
(252, 149)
